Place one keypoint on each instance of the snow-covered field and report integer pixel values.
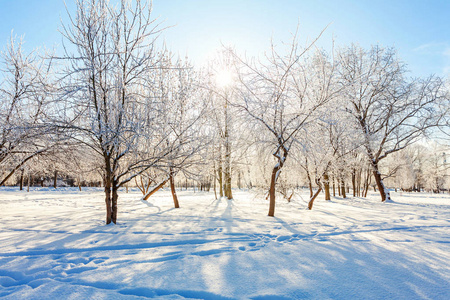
(54, 245)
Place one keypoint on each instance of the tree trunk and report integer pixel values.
(326, 185)
(339, 188)
(227, 172)
(358, 183)
(21, 179)
(29, 182)
(239, 179)
(354, 182)
(108, 182)
(311, 201)
(384, 193)
(334, 188)
(156, 188)
(108, 201)
(214, 183)
(366, 183)
(220, 178)
(227, 175)
(115, 197)
(172, 189)
(273, 179)
(55, 178)
(228, 192)
(343, 189)
(310, 188)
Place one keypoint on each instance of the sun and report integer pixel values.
(224, 78)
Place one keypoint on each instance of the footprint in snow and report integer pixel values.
(283, 238)
(252, 247)
(98, 261)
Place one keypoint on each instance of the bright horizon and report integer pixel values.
(417, 29)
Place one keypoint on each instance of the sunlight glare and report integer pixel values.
(224, 78)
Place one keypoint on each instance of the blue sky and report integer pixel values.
(420, 30)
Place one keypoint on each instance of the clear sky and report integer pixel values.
(420, 30)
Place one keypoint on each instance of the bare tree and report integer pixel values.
(391, 111)
(182, 111)
(25, 93)
(109, 104)
(221, 83)
(282, 94)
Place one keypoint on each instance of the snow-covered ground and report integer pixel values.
(54, 245)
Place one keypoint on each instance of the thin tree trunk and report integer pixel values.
(364, 185)
(108, 201)
(384, 193)
(227, 175)
(326, 185)
(55, 178)
(343, 189)
(29, 182)
(310, 188)
(220, 177)
(311, 201)
(367, 183)
(172, 189)
(108, 188)
(156, 188)
(273, 179)
(239, 179)
(334, 188)
(228, 191)
(358, 182)
(339, 188)
(214, 183)
(115, 197)
(21, 179)
(227, 172)
(354, 182)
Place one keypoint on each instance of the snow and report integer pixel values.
(54, 245)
